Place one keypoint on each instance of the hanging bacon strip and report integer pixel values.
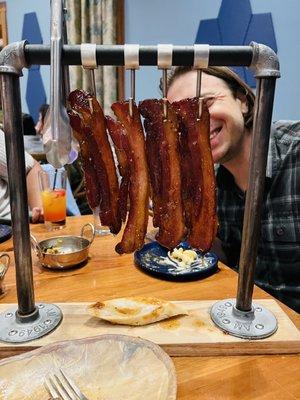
(201, 191)
(119, 137)
(188, 182)
(91, 115)
(90, 174)
(164, 166)
(134, 147)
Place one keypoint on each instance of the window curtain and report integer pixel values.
(94, 21)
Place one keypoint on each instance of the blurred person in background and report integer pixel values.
(231, 104)
(33, 192)
(28, 124)
(41, 121)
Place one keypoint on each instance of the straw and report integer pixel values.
(55, 177)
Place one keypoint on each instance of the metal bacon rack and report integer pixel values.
(239, 317)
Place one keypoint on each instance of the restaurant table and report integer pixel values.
(107, 275)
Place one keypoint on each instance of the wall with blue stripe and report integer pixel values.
(30, 19)
(177, 22)
(275, 22)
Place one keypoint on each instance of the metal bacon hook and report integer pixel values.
(131, 61)
(201, 58)
(164, 62)
(132, 91)
(198, 92)
(165, 89)
(89, 62)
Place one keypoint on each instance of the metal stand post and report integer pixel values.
(27, 322)
(242, 318)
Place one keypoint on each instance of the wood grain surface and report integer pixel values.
(108, 275)
(193, 334)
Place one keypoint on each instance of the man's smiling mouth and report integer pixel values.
(215, 132)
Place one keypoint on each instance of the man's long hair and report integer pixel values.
(236, 85)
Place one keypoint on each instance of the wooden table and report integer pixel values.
(108, 275)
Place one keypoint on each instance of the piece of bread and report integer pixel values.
(135, 310)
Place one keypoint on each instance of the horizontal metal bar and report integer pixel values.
(114, 55)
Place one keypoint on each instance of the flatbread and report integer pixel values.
(135, 310)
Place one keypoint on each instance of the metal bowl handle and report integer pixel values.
(89, 228)
(36, 247)
(5, 264)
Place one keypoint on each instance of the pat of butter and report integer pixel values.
(183, 257)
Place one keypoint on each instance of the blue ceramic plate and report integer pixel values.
(154, 259)
(5, 232)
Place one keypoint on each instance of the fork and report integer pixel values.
(61, 387)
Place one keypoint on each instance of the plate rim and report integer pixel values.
(175, 277)
(157, 350)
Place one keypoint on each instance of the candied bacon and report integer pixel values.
(175, 154)
(187, 181)
(119, 136)
(90, 174)
(93, 121)
(134, 147)
(152, 151)
(164, 166)
(202, 186)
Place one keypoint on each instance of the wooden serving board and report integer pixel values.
(191, 335)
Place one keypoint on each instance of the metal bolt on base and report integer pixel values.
(258, 323)
(19, 329)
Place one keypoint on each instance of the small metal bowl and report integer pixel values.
(68, 251)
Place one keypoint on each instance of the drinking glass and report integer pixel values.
(4, 264)
(54, 196)
(100, 230)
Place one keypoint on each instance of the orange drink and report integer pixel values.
(53, 192)
(54, 204)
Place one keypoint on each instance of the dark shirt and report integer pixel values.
(28, 125)
(76, 178)
(278, 261)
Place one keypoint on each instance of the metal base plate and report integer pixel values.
(258, 323)
(14, 330)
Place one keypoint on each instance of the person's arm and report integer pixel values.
(218, 250)
(33, 193)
